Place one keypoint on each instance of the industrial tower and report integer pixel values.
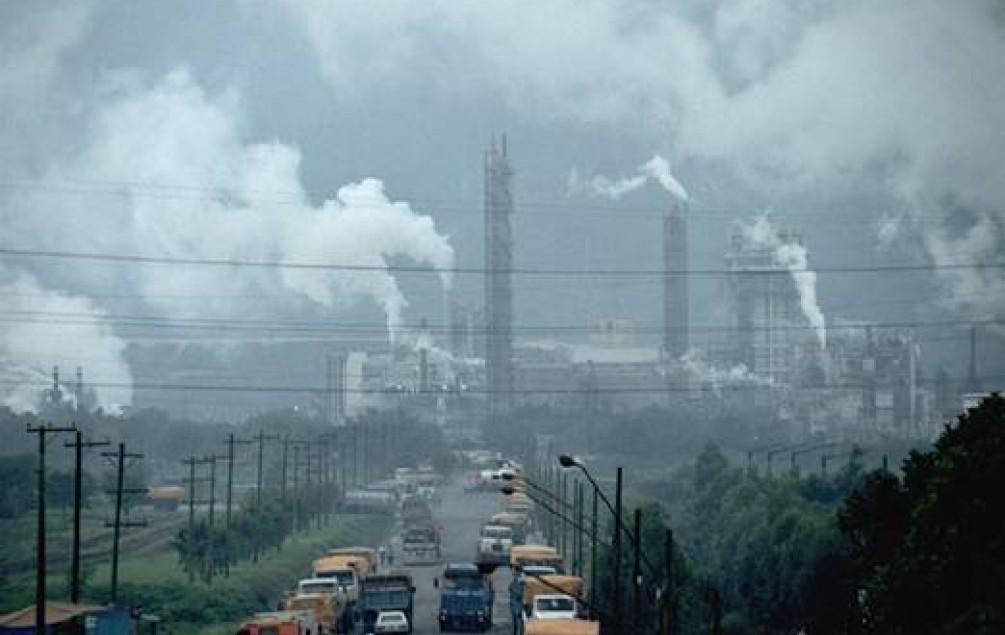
(675, 282)
(498, 288)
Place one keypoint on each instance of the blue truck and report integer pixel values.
(466, 599)
(385, 592)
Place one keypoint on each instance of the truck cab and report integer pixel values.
(553, 606)
(495, 543)
(466, 599)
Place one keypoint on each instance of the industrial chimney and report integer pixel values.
(675, 281)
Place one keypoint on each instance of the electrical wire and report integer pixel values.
(274, 264)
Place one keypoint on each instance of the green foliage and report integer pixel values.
(930, 547)
(17, 484)
(769, 548)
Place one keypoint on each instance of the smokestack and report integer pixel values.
(675, 283)
(335, 387)
(56, 395)
(498, 289)
(78, 390)
(423, 370)
(973, 381)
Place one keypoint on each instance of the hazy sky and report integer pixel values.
(220, 129)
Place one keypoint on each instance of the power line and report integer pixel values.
(713, 387)
(458, 205)
(273, 264)
(301, 326)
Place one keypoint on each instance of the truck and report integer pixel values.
(420, 543)
(536, 555)
(346, 570)
(494, 544)
(280, 623)
(561, 627)
(361, 501)
(385, 592)
(368, 553)
(466, 599)
(325, 600)
(516, 521)
(415, 509)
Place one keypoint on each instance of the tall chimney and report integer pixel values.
(675, 281)
(78, 389)
(973, 381)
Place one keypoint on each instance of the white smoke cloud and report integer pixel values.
(656, 169)
(32, 341)
(704, 371)
(186, 184)
(793, 256)
(829, 94)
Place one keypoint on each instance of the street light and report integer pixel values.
(567, 461)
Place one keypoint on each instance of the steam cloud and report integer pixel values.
(174, 177)
(771, 90)
(792, 256)
(656, 169)
(31, 343)
(704, 371)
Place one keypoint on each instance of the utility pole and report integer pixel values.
(668, 603)
(78, 446)
(41, 431)
(637, 572)
(286, 455)
(212, 459)
(192, 480)
(616, 548)
(261, 438)
(120, 468)
(593, 558)
(231, 442)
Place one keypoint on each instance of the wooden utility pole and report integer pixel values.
(616, 549)
(286, 458)
(261, 438)
(117, 525)
(78, 446)
(637, 572)
(593, 558)
(41, 431)
(231, 442)
(192, 480)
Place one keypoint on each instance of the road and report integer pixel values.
(461, 516)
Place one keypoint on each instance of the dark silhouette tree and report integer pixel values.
(930, 547)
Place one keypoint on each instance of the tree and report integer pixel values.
(930, 547)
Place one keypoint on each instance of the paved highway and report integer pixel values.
(461, 516)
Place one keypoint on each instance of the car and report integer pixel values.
(391, 622)
(554, 606)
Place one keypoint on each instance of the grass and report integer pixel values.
(161, 586)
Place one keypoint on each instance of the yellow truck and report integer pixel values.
(369, 553)
(325, 600)
(561, 627)
(347, 571)
(549, 585)
(536, 555)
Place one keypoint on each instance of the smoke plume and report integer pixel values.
(793, 256)
(704, 371)
(172, 175)
(656, 169)
(32, 341)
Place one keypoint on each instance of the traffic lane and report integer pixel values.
(461, 515)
